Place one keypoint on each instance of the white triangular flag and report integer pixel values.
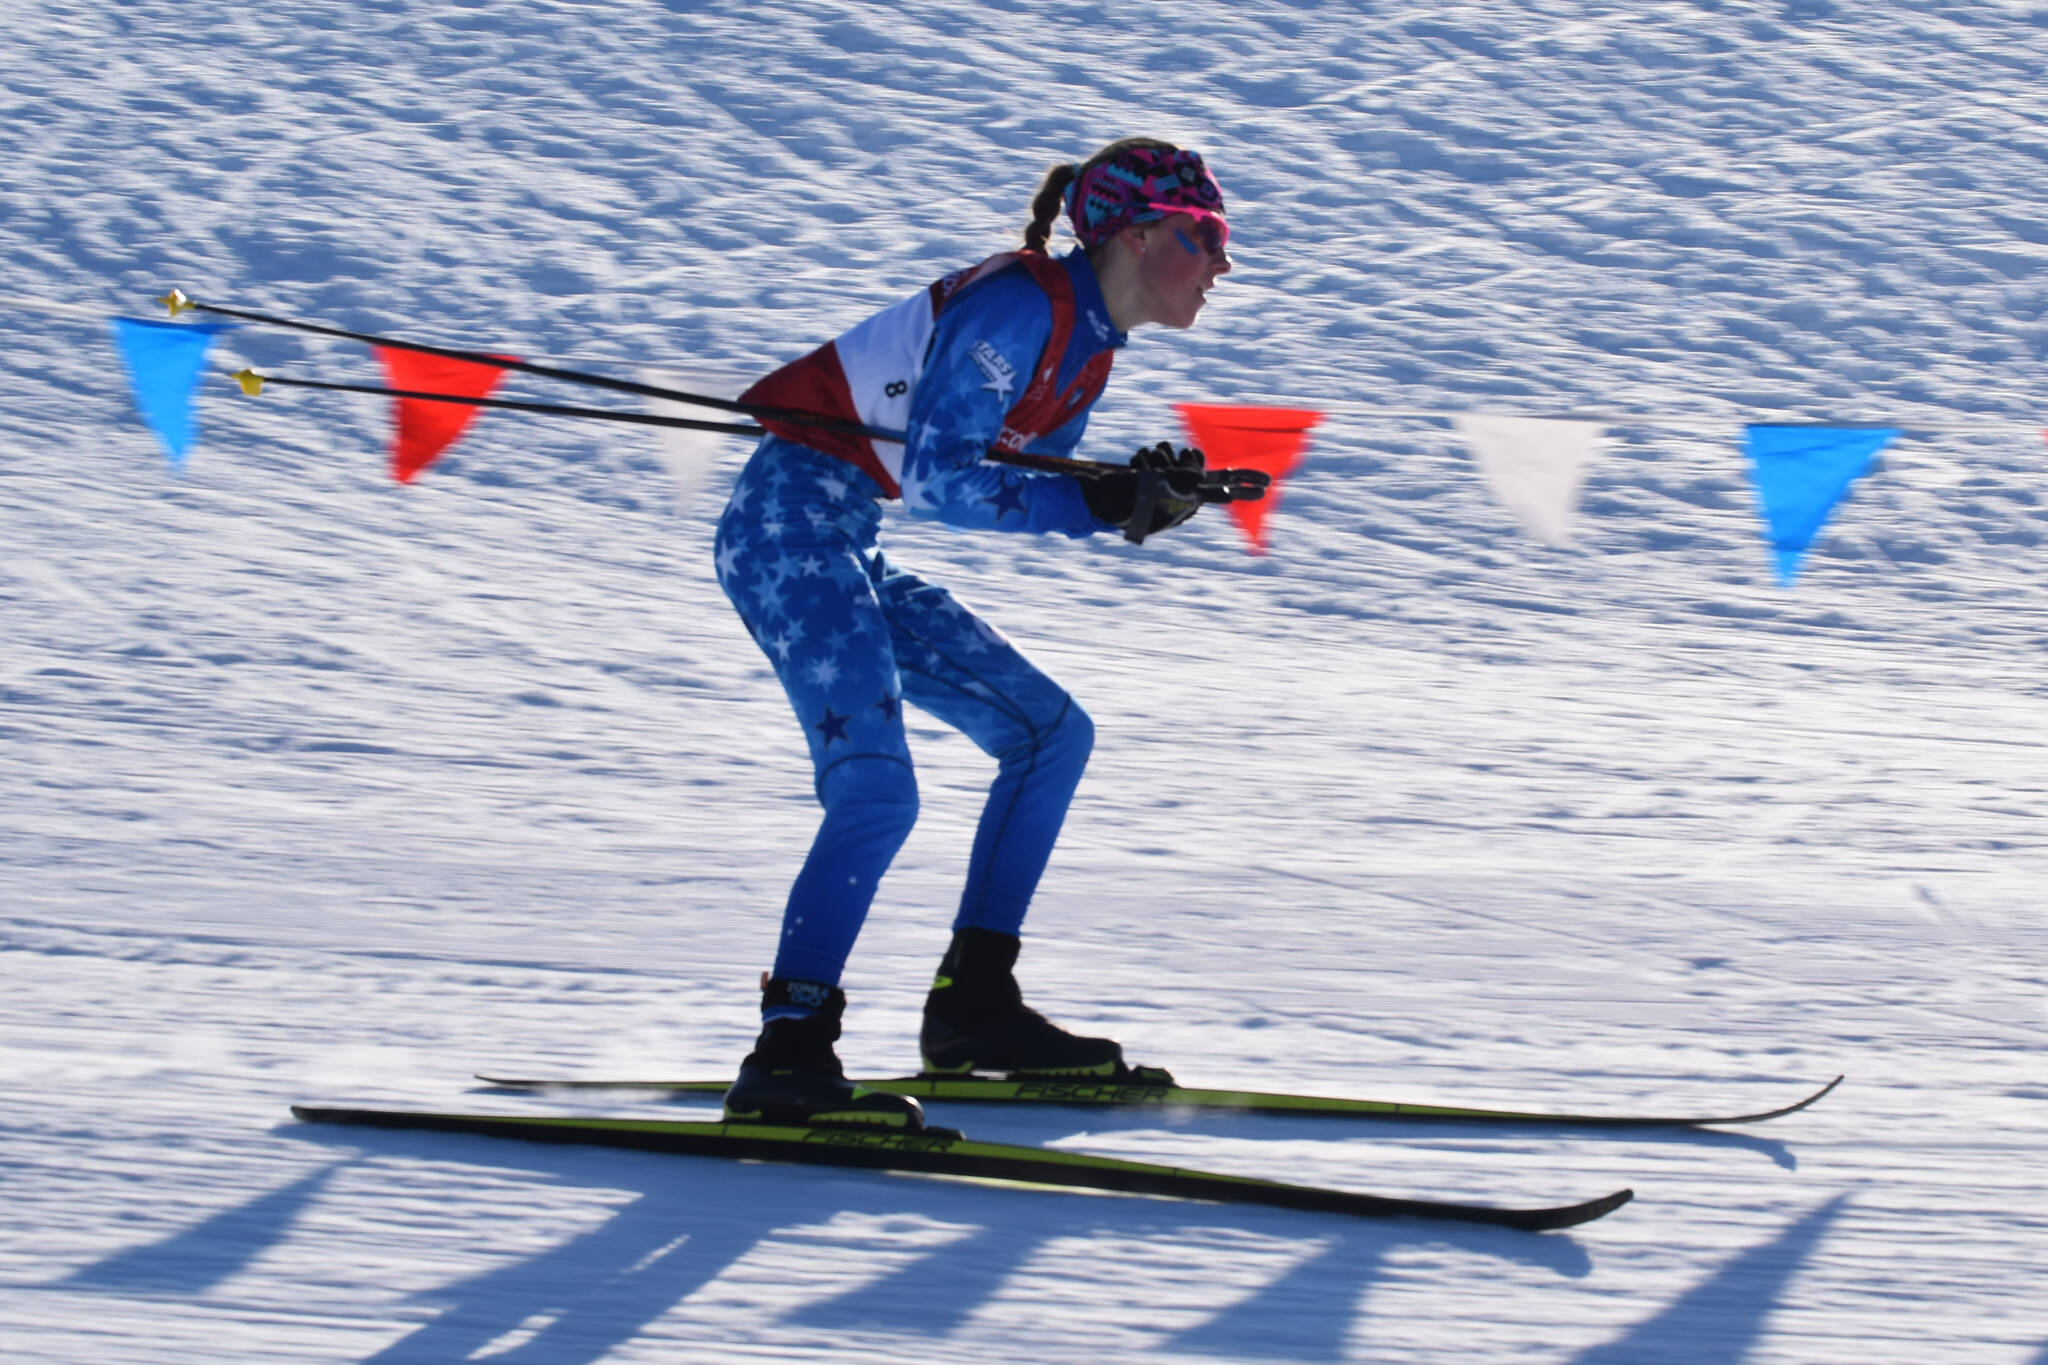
(1534, 466)
(689, 455)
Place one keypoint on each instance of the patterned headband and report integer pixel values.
(1130, 188)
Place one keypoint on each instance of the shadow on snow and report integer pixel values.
(581, 1299)
(574, 1302)
(210, 1251)
(1719, 1320)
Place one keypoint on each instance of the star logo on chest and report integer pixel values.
(1000, 373)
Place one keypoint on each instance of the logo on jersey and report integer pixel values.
(1103, 331)
(1014, 440)
(1001, 375)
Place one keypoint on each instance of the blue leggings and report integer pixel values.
(852, 638)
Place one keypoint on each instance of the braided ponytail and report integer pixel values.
(1046, 205)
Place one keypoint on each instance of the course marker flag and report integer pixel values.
(1268, 439)
(422, 429)
(164, 361)
(690, 456)
(1801, 473)
(1534, 466)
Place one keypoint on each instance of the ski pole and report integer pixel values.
(178, 302)
(1214, 485)
(1222, 485)
(253, 384)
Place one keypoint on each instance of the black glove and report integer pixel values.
(1159, 491)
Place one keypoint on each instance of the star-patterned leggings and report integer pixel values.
(852, 637)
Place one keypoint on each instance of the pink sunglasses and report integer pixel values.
(1210, 229)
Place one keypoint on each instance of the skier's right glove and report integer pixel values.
(1163, 489)
(1159, 491)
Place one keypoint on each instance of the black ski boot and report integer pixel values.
(975, 1019)
(793, 1076)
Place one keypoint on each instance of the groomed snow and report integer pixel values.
(313, 787)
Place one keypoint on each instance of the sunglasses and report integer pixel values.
(1210, 229)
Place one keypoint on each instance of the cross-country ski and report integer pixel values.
(937, 1151)
(1142, 1093)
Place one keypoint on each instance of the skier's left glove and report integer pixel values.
(1158, 492)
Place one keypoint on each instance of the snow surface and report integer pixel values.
(314, 787)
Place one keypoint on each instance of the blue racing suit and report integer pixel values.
(852, 637)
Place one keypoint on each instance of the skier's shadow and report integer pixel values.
(1719, 1320)
(1307, 1313)
(200, 1257)
(577, 1301)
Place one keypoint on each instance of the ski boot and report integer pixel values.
(792, 1076)
(975, 1019)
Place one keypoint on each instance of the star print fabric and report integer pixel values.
(984, 349)
(851, 638)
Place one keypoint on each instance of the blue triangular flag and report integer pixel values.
(1801, 473)
(164, 360)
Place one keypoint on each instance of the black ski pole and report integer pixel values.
(1219, 485)
(253, 383)
(178, 302)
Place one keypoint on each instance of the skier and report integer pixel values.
(1007, 355)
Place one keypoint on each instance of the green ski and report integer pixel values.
(943, 1152)
(1147, 1089)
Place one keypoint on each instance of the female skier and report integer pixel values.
(1007, 356)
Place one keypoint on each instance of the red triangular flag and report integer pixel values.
(1268, 439)
(422, 429)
